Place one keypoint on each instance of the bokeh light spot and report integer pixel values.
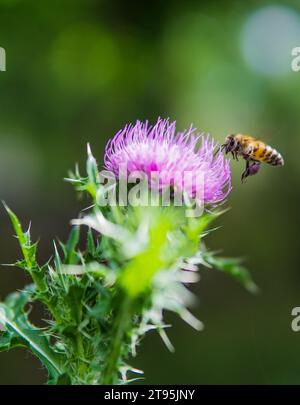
(268, 37)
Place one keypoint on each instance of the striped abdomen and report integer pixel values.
(267, 154)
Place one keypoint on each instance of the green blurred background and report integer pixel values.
(77, 71)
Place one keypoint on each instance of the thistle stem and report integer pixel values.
(114, 351)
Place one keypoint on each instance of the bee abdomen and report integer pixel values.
(273, 157)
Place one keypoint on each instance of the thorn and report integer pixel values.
(5, 206)
(166, 340)
(89, 152)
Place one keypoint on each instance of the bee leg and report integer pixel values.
(234, 155)
(246, 172)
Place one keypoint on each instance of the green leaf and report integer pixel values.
(153, 258)
(90, 183)
(93, 173)
(197, 226)
(74, 301)
(20, 332)
(28, 249)
(9, 341)
(71, 254)
(58, 267)
(63, 379)
(233, 268)
(90, 244)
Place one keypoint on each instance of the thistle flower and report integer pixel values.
(159, 149)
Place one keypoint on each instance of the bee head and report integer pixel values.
(230, 143)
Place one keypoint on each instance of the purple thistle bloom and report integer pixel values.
(159, 149)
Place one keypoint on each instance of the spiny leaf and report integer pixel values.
(58, 267)
(63, 379)
(232, 267)
(28, 249)
(71, 254)
(74, 301)
(20, 332)
(93, 173)
(91, 248)
(198, 225)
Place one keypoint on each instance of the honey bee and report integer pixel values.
(253, 151)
